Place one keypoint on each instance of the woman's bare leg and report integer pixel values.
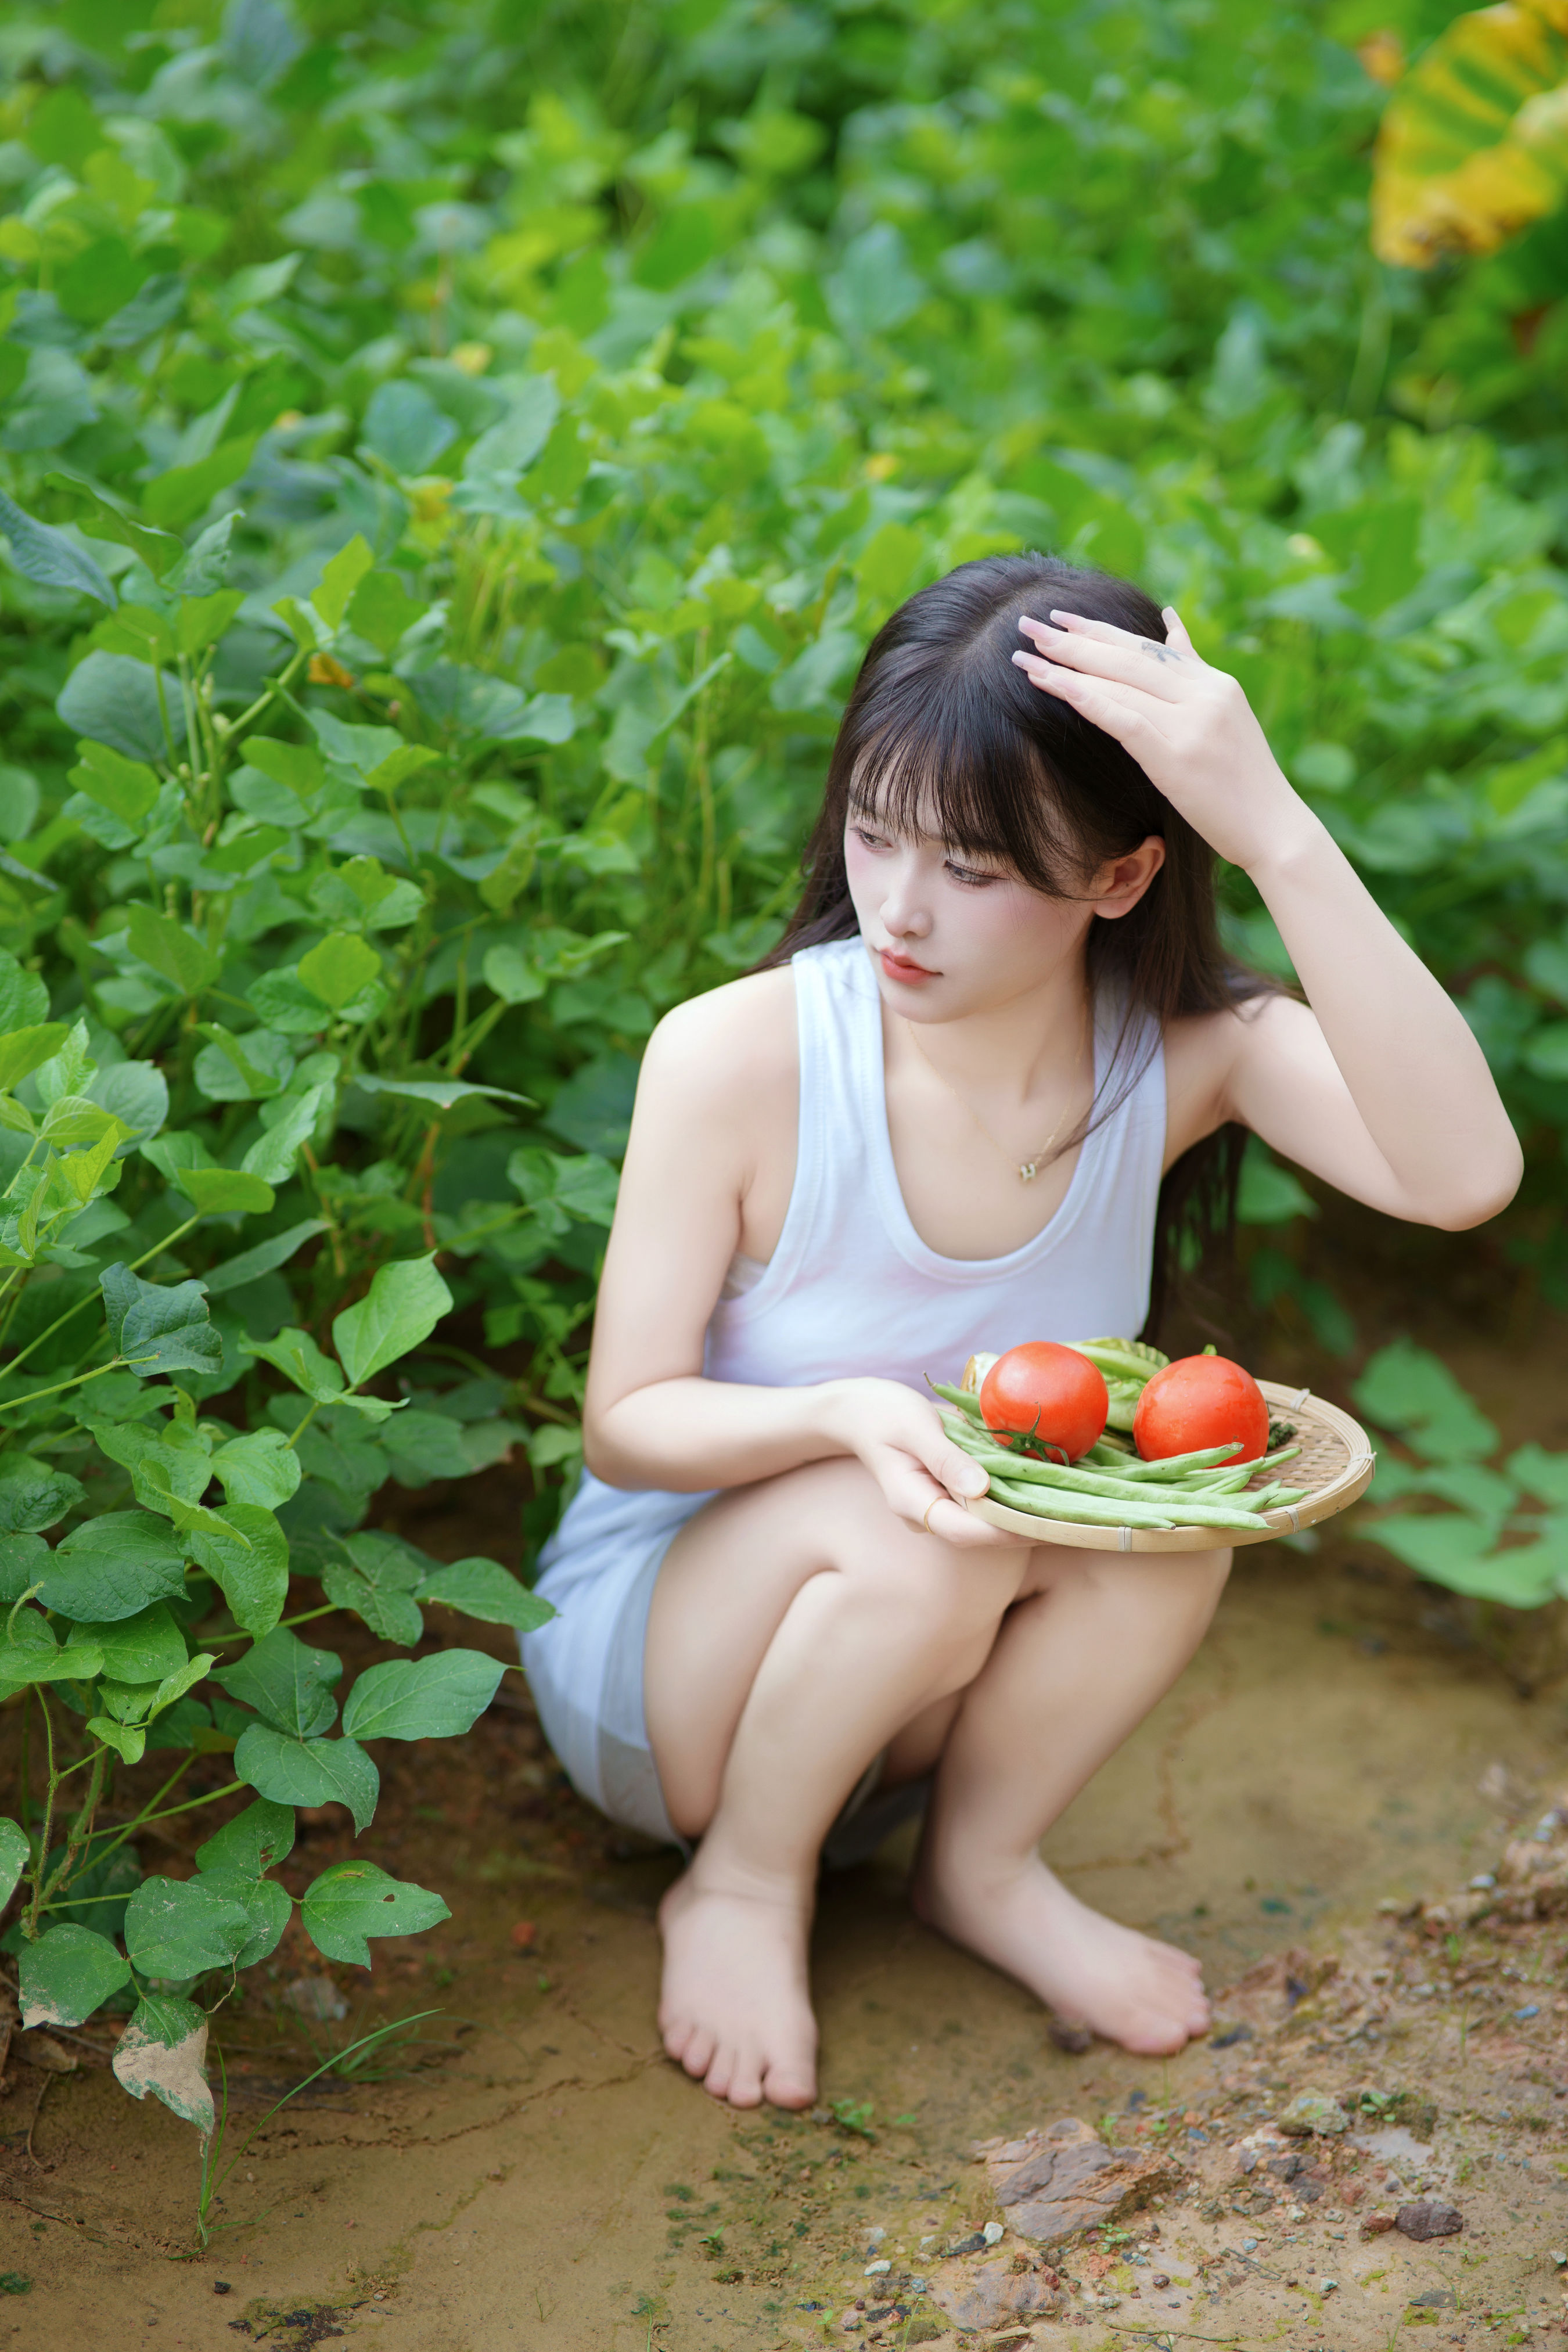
(1077, 1667)
(795, 1627)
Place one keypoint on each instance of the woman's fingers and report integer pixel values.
(1176, 630)
(1120, 711)
(1165, 672)
(960, 1529)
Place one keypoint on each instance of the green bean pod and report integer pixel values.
(1044, 1502)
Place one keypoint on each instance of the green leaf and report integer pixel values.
(390, 1613)
(247, 1552)
(273, 1156)
(288, 1684)
(129, 1740)
(403, 1307)
(558, 1190)
(217, 1192)
(354, 1900)
(283, 1001)
(114, 700)
(424, 1445)
(242, 1070)
(309, 1771)
(1410, 1389)
(166, 2019)
(483, 1589)
(404, 427)
(24, 999)
(172, 950)
(422, 1698)
(126, 788)
(509, 973)
(383, 611)
(140, 1649)
(158, 549)
(339, 969)
(235, 1273)
(442, 1092)
(158, 1329)
(42, 553)
(177, 1928)
(30, 1654)
(67, 1974)
(144, 2060)
(296, 766)
(297, 1356)
(171, 500)
(13, 1853)
(259, 1467)
(32, 1495)
(114, 1565)
(337, 583)
(24, 1049)
(256, 1839)
(268, 1906)
(100, 279)
(1270, 1194)
(22, 1559)
(202, 620)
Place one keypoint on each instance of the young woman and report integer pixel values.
(992, 1062)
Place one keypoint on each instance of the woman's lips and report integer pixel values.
(897, 967)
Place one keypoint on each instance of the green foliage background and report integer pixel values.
(451, 461)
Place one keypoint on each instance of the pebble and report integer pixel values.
(1428, 2218)
(876, 2270)
(1249, 2245)
(1328, 2287)
(994, 2232)
(525, 1935)
(1530, 2009)
(222, 2286)
(1314, 2111)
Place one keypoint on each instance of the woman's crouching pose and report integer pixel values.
(997, 1066)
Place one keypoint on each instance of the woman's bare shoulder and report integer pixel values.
(730, 1043)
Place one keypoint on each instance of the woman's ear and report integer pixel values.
(1121, 881)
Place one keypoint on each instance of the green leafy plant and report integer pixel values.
(1499, 1530)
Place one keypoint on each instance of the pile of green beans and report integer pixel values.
(1110, 1488)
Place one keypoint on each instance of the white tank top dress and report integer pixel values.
(851, 1290)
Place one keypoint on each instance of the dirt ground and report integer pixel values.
(534, 2176)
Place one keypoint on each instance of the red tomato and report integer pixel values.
(1047, 1392)
(1198, 1402)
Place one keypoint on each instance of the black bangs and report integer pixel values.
(944, 736)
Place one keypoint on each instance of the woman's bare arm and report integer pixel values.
(1377, 1084)
(718, 1072)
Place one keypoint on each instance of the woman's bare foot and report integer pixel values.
(734, 2008)
(1149, 1997)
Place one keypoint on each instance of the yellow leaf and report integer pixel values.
(1474, 144)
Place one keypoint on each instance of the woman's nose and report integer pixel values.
(904, 911)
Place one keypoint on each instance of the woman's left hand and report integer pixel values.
(1190, 727)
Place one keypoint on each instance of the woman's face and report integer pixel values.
(951, 934)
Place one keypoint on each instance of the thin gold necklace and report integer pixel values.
(1028, 1168)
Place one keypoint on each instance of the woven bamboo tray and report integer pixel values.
(1336, 1466)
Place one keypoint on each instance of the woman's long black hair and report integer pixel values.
(943, 730)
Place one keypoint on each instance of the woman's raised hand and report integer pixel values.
(900, 1440)
(1190, 727)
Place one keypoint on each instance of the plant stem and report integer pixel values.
(10, 1404)
(31, 1929)
(80, 1829)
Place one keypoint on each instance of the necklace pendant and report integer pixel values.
(1027, 1170)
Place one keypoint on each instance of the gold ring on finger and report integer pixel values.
(930, 1509)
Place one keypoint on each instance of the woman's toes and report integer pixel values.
(786, 2087)
(699, 2053)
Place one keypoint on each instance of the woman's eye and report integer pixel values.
(971, 875)
(870, 840)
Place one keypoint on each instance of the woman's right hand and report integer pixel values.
(923, 1475)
